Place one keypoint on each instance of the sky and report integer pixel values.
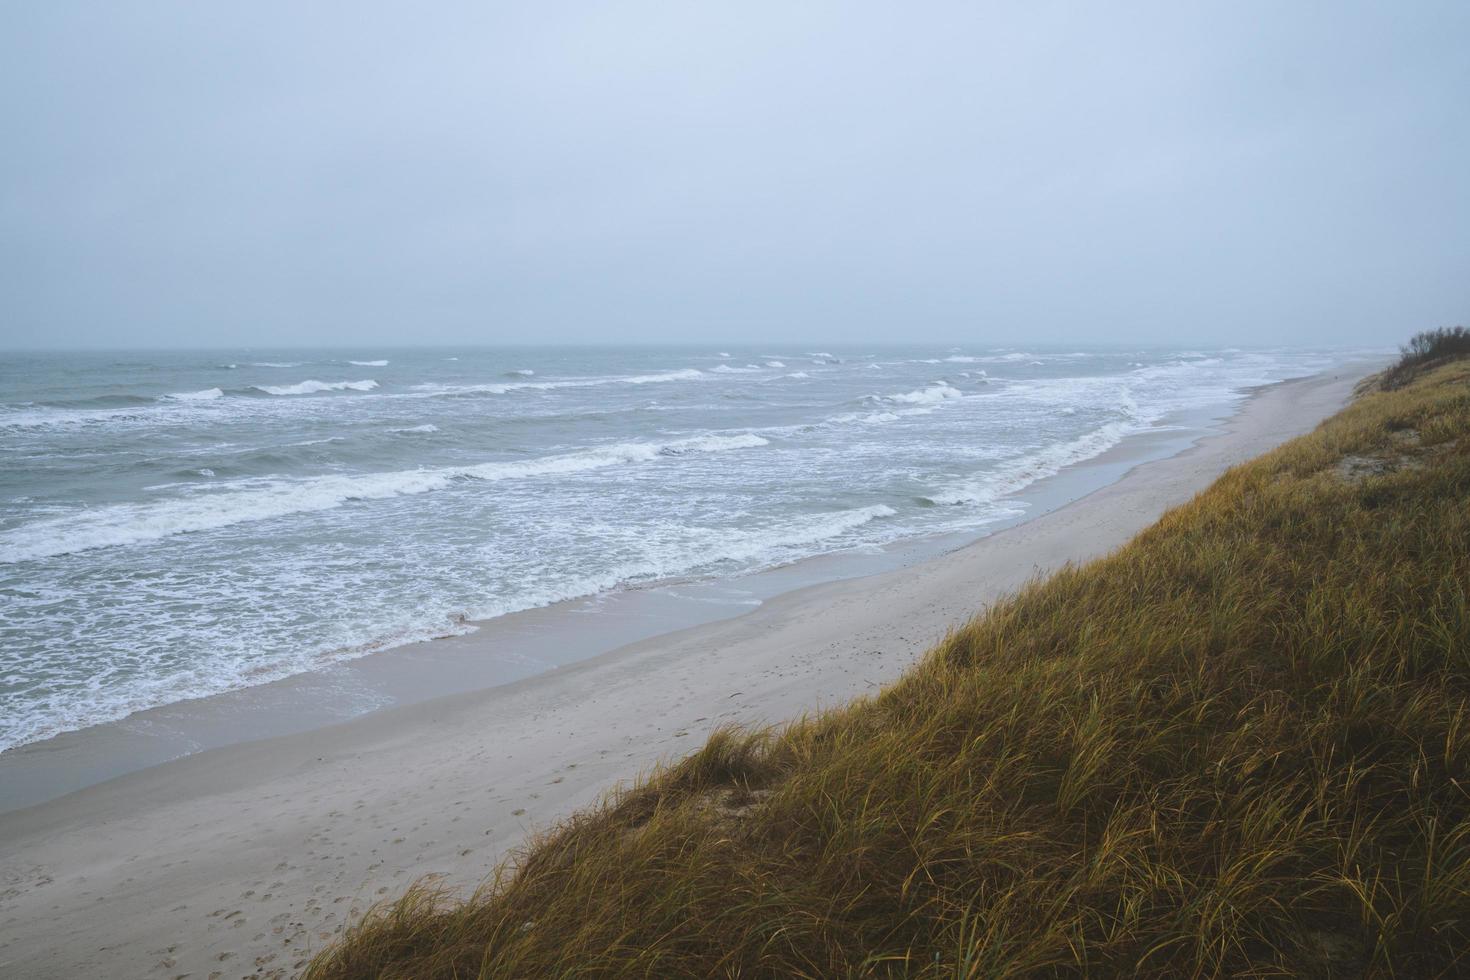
(269, 173)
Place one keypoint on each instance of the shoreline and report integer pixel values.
(259, 853)
(524, 643)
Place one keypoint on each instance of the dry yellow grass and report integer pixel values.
(1239, 746)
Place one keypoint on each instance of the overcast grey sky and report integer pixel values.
(262, 173)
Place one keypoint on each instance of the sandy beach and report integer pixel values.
(242, 860)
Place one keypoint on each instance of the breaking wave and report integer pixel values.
(125, 524)
(312, 387)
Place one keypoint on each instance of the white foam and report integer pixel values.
(521, 373)
(775, 364)
(312, 387)
(796, 374)
(428, 427)
(728, 369)
(125, 524)
(369, 363)
(767, 543)
(686, 374)
(1018, 474)
(705, 444)
(208, 394)
(932, 395)
(865, 418)
(274, 364)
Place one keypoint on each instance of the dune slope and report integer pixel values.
(1239, 744)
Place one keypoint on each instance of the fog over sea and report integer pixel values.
(177, 524)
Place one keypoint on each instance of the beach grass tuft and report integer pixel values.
(1240, 745)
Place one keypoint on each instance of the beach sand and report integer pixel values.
(243, 860)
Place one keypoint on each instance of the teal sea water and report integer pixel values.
(177, 524)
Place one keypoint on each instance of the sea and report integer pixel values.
(177, 524)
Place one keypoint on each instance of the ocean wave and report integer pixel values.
(767, 543)
(694, 550)
(208, 394)
(312, 387)
(932, 395)
(730, 369)
(796, 374)
(369, 363)
(125, 524)
(686, 374)
(428, 427)
(775, 364)
(521, 373)
(865, 418)
(1018, 474)
(274, 364)
(46, 417)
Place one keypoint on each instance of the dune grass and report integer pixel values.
(1238, 746)
(1425, 350)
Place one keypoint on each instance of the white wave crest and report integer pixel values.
(274, 364)
(369, 363)
(428, 390)
(208, 394)
(427, 427)
(312, 387)
(932, 395)
(768, 544)
(865, 418)
(687, 374)
(1018, 474)
(125, 524)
